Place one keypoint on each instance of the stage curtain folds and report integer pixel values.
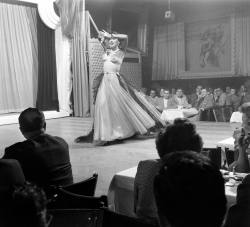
(18, 59)
(242, 32)
(73, 25)
(168, 51)
(47, 98)
(64, 76)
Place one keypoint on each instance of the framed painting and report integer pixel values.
(209, 49)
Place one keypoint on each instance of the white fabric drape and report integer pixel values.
(242, 32)
(17, 66)
(64, 76)
(168, 51)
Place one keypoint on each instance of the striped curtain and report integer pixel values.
(18, 58)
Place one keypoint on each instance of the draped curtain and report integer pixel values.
(64, 76)
(47, 97)
(168, 51)
(18, 58)
(242, 38)
(73, 26)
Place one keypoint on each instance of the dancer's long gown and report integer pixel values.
(120, 111)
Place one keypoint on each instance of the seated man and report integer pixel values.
(152, 98)
(183, 104)
(44, 158)
(195, 97)
(189, 191)
(204, 106)
(166, 102)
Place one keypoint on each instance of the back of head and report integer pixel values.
(29, 206)
(179, 136)
(31, 120)
(189, 191)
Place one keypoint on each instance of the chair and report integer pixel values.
(67, 200)
(86, 187)
(113, 219)
(76, 218)
(214, 154)
(230, 156)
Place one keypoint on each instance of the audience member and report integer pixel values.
(11, 176)
(242, 141)
(152, 98)
(205, 105)
(166, 102)
(189, 191)
(143, 92)
(29, 207)
(239, 214)
(43, 158)
(195, 97)
(234, 100)
(220, 97)
(179, 136)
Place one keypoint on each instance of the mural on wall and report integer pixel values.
(212, 46)
(208, 46)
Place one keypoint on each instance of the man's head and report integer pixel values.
(203, 92)
(228, 90)
(179, 136)
(152, 93)
(245, 109)
(179, 93)
(162, 92)
(32, 122)
(166, 94)
(189, 191)
(232, 91)
(198, 89)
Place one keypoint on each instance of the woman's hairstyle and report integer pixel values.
(179, 136)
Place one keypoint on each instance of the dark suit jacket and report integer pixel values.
(44, 160)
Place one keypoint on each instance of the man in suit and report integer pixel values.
(152, 98)
(194, 98)
(44, 158)
(166, 102)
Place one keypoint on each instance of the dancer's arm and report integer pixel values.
(104, 37)
(123, 40)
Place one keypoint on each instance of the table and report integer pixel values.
(172, 114)
(226, 143)
(121, 192)
(236, 117)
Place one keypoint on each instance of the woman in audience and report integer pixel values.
(29, 207)
(179, 136)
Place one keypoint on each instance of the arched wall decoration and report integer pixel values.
(48, 14)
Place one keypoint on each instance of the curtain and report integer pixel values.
(18, 58)
(73, 26)
(168, 51)
(47, 98)
(64, 76)
(242, 44)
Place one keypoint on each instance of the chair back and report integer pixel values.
(113, 219)
(67, 200)
(86, 187)
(229, 156)
(76, 218)
(214, 154)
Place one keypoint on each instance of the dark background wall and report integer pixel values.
(185, 11)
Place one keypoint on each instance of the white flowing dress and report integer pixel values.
(117, 115)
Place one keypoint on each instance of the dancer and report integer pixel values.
(120, 110)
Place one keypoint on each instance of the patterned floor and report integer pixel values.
(108, 160)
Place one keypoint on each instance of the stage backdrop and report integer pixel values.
(212, 48)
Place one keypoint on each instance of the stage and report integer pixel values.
(107, 160)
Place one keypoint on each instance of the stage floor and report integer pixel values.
(107, 160)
